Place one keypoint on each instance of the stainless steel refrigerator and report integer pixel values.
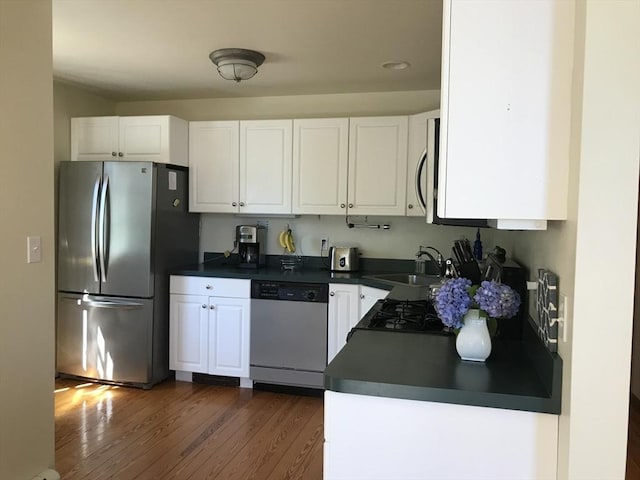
(121, 227)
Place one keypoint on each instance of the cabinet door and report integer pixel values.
(343, 315)
(214, 167)
(265, 166)
(377, 165)
(368, 297)
(505, 116)
(229, 336)
(188, 333)
(154, 138)
(94, 138)
(320, 154)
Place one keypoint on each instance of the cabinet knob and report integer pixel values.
(410, 206)
(120, 154)
(212, 307)
(351, 205)
(204, 305)
(342, 205)
(332, 294)
(113, 154)
(209, 287)
(234, 204)
(361, 297)
(242, 204)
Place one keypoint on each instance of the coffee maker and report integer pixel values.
(251, 245)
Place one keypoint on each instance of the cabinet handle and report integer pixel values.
(204, 305)
(113, 154)
(332, 294)
(351, 205)
(410, 206)
(209, 287)
(242, 204)
(342, 205)
(212, 307)
(120, 154)
(234, 204)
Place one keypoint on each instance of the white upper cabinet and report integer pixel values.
(320, 156)
(265, 166)
(377, 165)
(505, 111)
(214, 167)
(152, 138)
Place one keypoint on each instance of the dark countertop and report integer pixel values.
(518, 375)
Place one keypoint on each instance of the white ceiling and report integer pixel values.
(159, 49)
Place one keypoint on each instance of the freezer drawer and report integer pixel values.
(105, 338)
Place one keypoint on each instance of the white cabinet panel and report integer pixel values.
(320, 156)
(209, 334)
(344, 307)
(505, 114)
(189, 330)
(265, 166)
(214, 167)
(94, 138)
(151, 138)
(229, 337)
(490, 443)
(377, 165)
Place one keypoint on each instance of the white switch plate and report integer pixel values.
(34, 253)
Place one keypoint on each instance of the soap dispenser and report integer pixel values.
(477, 247)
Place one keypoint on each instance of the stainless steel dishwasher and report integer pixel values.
(288, 333)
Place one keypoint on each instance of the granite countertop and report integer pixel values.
(518, 375)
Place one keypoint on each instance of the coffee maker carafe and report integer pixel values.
(251, 245)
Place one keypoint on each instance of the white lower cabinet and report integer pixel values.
(347, 304)
(209, 333)
(428, 440)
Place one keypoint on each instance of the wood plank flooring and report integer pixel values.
(183, 431)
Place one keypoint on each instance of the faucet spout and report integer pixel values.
(420, 263)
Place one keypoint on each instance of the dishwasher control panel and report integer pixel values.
(291, 291)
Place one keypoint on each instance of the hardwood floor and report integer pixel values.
(633, 442)
(180, 430)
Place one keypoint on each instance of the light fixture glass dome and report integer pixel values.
(236, 63)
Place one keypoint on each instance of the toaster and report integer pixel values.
(343, 259)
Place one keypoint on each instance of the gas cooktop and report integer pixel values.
(411, 316)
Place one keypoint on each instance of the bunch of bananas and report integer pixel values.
(286, 240)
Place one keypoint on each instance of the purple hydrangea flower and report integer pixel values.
(497, 300)
(453, 301)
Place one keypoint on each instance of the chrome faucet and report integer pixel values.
(420, 263)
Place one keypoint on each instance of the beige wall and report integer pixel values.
(594, 251)
(26, 196)
(299, 106)
(70, 101)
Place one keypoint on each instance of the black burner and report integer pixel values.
(405, 316)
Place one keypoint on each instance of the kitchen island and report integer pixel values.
(416, 411)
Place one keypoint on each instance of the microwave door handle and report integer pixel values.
(94, 226)
(418, 185)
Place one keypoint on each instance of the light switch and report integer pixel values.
(34, 253)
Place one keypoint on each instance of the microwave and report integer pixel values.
(426, 181)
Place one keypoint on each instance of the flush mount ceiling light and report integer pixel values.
(236, 63)
(396, 65)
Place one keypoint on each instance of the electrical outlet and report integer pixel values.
(563, 312)
(324, 244)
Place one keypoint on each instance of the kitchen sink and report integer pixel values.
(406, 279)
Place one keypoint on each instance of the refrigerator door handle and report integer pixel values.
(102, 227)
(103, 303)
(94, 221)
(418, 185)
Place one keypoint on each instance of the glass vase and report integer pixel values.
(473, 342)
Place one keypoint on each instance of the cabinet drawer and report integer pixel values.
(210, 286)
